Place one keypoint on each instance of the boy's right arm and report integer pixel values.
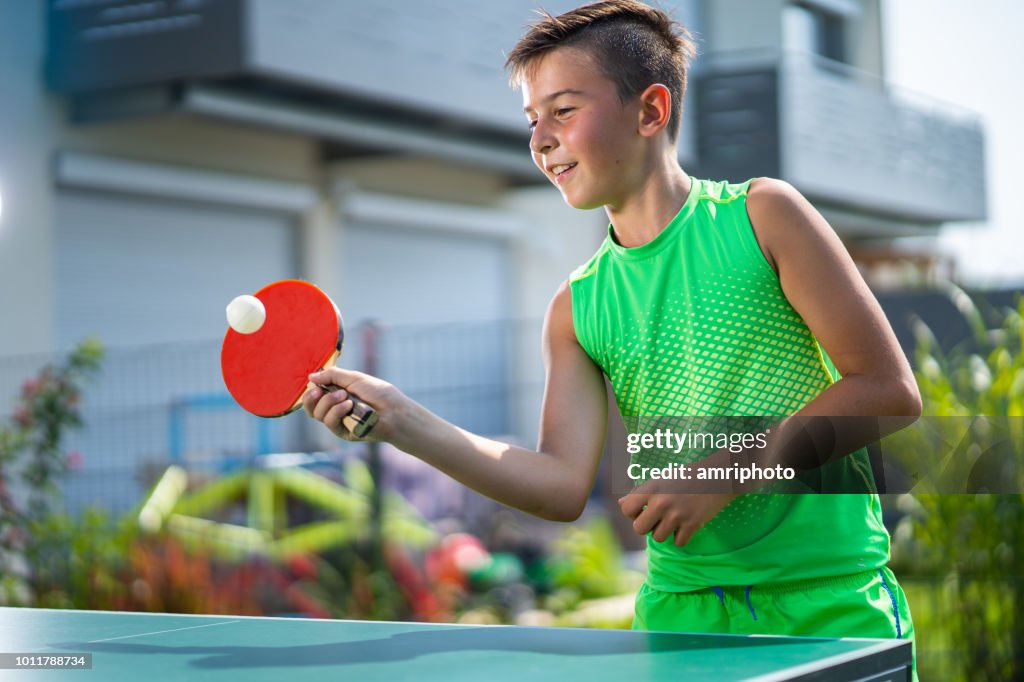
(552, 482)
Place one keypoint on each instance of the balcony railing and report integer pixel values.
(840, 135)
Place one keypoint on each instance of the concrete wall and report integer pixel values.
(740, 25)
(864, 36)
(733, 25)
(26, 226)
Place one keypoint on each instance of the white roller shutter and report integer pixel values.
(442, 297)
(403, 277)
(136, 271)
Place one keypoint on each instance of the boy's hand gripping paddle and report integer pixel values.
(267, 371)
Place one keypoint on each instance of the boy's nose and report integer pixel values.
(542, 142)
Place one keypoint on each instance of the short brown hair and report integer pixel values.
(633, 44)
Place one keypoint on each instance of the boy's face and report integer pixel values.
(583, 138)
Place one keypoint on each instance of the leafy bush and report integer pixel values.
(971, 546)
(31, 454)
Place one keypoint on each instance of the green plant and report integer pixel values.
(972, 545)
(587, 567)
(32, 459)
(78, 562)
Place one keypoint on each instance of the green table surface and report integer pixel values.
(154, 647)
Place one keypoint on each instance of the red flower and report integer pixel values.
(22, 417)
(75, 460)
(29, 387)
(302, 567)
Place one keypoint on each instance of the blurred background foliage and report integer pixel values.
(961, 557)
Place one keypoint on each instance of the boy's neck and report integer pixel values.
(646, 212)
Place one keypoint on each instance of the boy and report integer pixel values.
(706, 299)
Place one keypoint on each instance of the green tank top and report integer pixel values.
(694, 324)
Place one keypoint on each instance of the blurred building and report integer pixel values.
(159, 157)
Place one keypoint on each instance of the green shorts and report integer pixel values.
(868, 604)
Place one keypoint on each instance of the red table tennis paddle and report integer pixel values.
(268, 371)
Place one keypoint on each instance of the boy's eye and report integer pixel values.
(559, 113)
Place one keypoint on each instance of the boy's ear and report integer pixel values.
(655, 109)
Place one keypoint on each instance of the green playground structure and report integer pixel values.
(196, 518)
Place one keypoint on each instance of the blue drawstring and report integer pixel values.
(750, 605)
(895, 611)
(720, 593)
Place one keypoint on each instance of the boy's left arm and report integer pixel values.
(823, 285)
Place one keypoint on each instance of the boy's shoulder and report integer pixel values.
(772, 197)
(758, 189)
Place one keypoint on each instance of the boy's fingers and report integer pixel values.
(336, 413)
(328, 402)
(683, 535)
(309, 400)
(670, 525)
(632, 504)
(323, 376)
(646, 521)
(334, 375)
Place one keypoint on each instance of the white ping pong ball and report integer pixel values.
(246, 314)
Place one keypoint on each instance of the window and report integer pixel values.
(811, 29)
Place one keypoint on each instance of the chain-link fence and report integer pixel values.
(156, 405)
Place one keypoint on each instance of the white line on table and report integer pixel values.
(160, 632)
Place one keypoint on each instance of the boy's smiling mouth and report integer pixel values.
(561, 171)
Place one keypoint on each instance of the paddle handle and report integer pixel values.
(361, 420)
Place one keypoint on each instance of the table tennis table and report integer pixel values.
(156, 647)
